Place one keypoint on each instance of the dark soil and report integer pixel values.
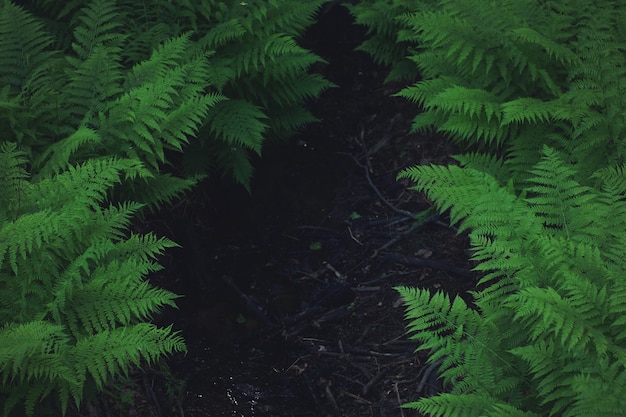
(288, 304)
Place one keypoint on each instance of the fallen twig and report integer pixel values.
(252, 306)
(357, 398)
(426, 263)
(374, 381)
(331, 399)
(376, 190)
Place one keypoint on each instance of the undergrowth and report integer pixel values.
(98, 95)
(97, 98)
(533, 94)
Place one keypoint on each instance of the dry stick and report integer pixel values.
(357, 398)
(382, 198)
(331, 399)
(368, 168)
(410, 230)
(312, 391)
(252, 306)
(388, 222)
(395, 387)
(374, 381)
(404, 213)
(426, 263)
(363, 370)
(427, 372)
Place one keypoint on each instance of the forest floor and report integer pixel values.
(288, 304)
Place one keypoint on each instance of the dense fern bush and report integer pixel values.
(74, 303)
(65, 106)
(94, 95)
(507, 78)
(547, 334)
(244, 51)
(263, 70)
(382, 43)
(533, 92)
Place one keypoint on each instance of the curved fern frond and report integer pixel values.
(96, 80)
(100, 355)
(13, 178)
(467, 405)
(99, 26)
(238, 123)
(557, 197)
(222, 33)
(490, 164)
(458, 337)
(24, 46)
(58, 156)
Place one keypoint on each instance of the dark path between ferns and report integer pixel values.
(288, 306)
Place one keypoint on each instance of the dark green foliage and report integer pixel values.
(385, 43)
(511, 77)
(72, 283)
(262, 68)
(87, 104)
(547, 334)
(165, 64)
(532, 92)
(96, 95)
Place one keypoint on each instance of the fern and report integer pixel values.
(548, 327)
(72, 285)
(100, 93)
(537, 74)
(99, 26)
(177, 60)
(25, 46)
(13, 180)
(26, 67)
(387, 42)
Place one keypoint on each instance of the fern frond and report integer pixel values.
(490, 164)
(472, 195)
(158, 190)
(99, 26)
(552, 47)
(106, 302)
(58, 156)
(570, 319)
(235, 160)
(102, 355)
(13, 178)
(140, 45)
(238, 123)
(384, 44)
(164, 58)
(457, 336)
(222, 33)
(525, 110)
(467, 405)
(290, 17)
(281, 94)
(95, 81)
(557, 197)
(27, 351)
(254, 56)
(24, 46)
(74, 287)
(470, 115)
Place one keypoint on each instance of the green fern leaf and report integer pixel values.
(99, 26)
(238, 123)
(24, 46)
(557, 197)
(58, 156)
